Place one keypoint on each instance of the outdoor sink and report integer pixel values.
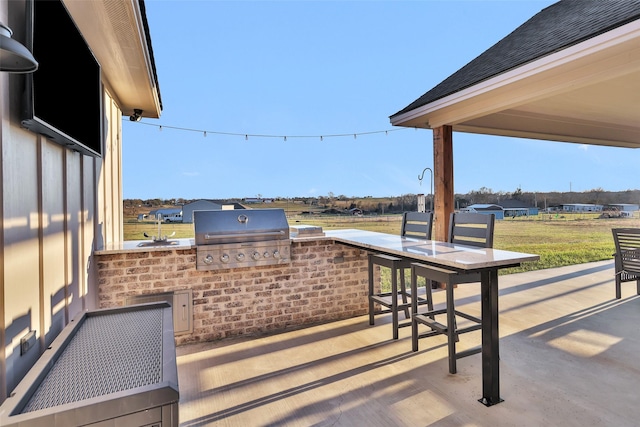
(158, 243)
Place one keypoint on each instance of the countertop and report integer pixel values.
(128, 246)
(146, 245)
(430, 251)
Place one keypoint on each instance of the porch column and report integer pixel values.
(443, 199)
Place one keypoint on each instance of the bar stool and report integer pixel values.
(416, 225)
(470, 229)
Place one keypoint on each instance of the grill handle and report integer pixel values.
(262, 234)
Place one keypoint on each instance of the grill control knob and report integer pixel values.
(240, 257)
(224, 258)
(208, 259)
(276, 254)
(255, 255)
(266, 254)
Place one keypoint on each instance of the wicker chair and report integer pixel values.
(414, 225)
(627, 257)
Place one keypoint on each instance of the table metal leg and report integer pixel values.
(371, 306)
(394, 302)
(414, 309)
(490, 340)
(451, 329)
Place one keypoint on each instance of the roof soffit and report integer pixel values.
(116, 34)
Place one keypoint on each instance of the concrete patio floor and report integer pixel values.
(569, 356)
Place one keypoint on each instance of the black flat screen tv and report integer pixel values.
(63, 98)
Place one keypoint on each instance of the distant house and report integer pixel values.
(625, 207)
(198, 205)
(506, 209)
(205, 205)
(582, 207)
(257, 200)
(485, 208)
(626, 210)
(513, 208)
(164, 212)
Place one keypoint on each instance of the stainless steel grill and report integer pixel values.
(241, 238)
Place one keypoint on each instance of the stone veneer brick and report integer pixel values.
(325, 281)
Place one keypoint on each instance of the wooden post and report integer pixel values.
(443, 199)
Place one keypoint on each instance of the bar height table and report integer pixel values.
(459, 258)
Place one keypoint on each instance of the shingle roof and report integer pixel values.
(556, 27)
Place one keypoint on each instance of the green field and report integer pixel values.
(566, 241)
(558, 240)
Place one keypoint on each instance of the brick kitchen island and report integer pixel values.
(324, 281)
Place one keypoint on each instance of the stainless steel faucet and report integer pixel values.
(159, 237)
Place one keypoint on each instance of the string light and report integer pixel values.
(284, 137)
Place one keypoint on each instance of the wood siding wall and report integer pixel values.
(57, 206)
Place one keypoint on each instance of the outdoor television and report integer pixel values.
(63, 98)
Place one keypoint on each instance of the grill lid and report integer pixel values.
(240, 226)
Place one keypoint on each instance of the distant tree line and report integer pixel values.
(596, 196)
(409, 202)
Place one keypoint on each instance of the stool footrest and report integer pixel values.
(398, 298)
(384, 299)
(466, 329)
(433, 324)
(469, 352)
(468, 317)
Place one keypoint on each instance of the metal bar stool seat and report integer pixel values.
(389, 300)
(448, 278)
(470, 229)
(414, 225)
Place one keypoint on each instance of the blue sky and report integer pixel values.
(322, 68)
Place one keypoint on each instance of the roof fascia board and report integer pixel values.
(140, 29)
(549, 75)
